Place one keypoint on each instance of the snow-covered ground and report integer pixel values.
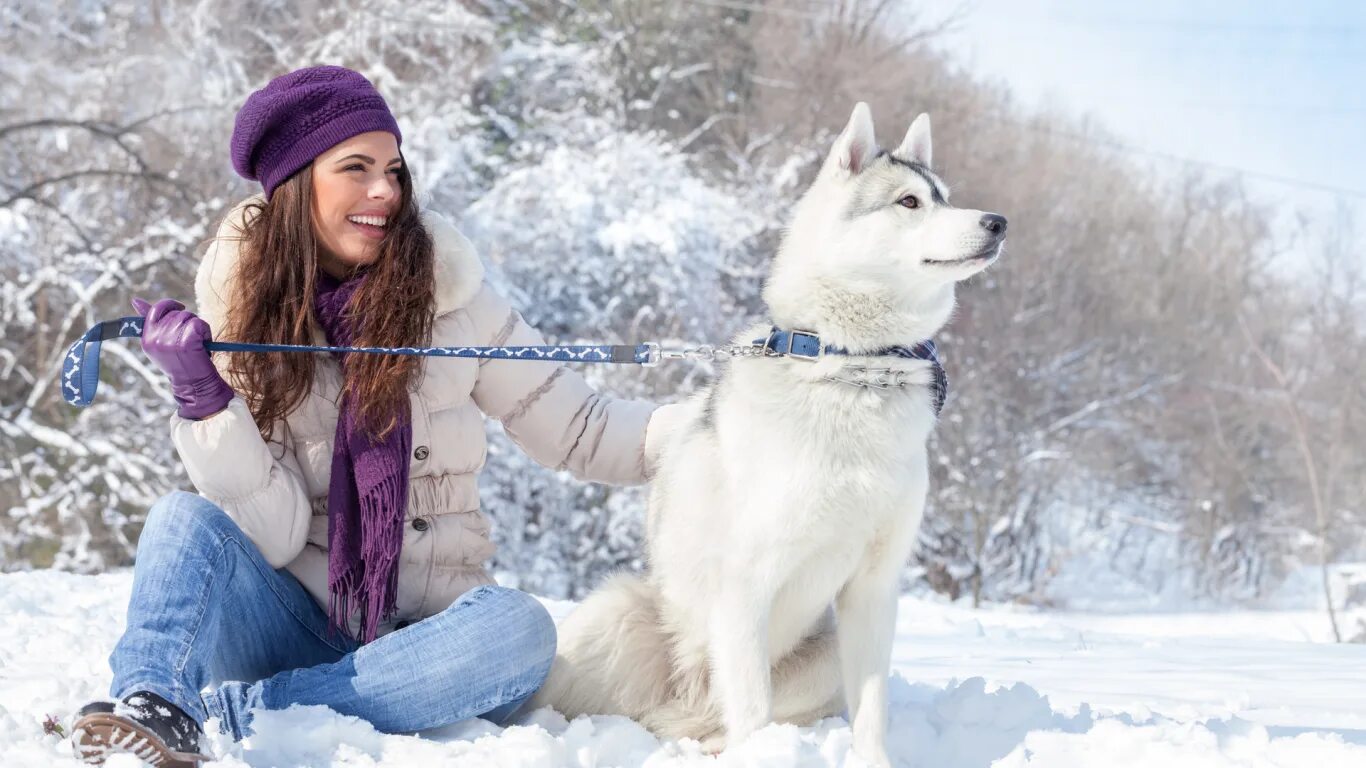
(996, 687)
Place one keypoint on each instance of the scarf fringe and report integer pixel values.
(342, 593)
(380, 549)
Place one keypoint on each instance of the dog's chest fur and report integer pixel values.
(829, 461)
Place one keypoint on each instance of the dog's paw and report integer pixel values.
(714, 744)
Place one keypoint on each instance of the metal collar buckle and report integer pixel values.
(771, 351)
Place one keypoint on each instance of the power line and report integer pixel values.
(1221, 37)
(1264, 54)
(1307, 109)
(1216, 47)
(1276, 178)
(1264, 28)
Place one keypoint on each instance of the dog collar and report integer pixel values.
(805, 345)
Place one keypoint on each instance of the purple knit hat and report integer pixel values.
(300, 115)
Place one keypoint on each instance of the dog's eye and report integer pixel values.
(910, 201)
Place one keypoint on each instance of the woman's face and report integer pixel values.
(355, 188)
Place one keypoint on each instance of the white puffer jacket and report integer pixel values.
(276, 491)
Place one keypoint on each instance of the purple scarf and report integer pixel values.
(368, 492)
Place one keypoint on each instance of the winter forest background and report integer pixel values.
(1143, 406)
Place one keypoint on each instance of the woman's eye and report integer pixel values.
(359, 167)
(910, 201)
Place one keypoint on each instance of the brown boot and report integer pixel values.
(144, 725)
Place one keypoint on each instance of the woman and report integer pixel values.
(337, 496)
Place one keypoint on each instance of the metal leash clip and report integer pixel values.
(654, 353)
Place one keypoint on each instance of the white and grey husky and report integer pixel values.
(788, 496)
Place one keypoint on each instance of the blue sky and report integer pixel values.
(1271, 87)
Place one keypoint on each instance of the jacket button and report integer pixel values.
(419, 524)
(421, 453)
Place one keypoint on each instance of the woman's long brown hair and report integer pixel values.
(272, 303)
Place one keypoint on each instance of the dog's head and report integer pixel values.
(874, 247)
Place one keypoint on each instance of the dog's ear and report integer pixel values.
(916, 145)
(856, 145)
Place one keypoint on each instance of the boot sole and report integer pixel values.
(100, 735)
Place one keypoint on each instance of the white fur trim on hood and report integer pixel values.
(458, 270)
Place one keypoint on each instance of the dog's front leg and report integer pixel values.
(866, 623)
(739, 660)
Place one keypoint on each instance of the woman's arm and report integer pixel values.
(260, 485)
(550, 411)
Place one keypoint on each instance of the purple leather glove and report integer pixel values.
(174, 339)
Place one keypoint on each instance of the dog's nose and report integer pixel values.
(994, 223)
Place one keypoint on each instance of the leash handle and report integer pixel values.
(81, 366)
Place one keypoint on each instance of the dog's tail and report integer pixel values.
(612, 655)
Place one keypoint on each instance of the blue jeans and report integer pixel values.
(217, 631)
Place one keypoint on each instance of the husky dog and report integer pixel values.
(788, 495)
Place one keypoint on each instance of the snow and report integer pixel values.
(1004, 686)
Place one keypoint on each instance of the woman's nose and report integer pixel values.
(384, 188)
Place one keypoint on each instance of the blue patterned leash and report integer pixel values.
(81, 366)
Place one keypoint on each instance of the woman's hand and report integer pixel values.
(661, 426)
(174, 339)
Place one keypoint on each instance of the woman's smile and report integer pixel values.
(368, 230)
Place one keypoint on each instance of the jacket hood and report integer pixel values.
(458, 270)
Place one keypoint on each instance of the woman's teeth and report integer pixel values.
(374, 221)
